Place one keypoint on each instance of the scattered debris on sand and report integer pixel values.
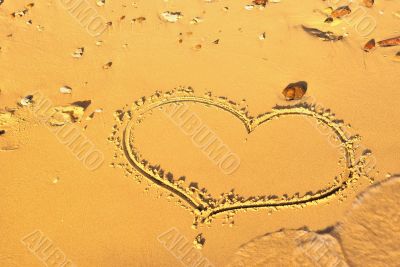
(170, 16)
(295, 91)
(325, 36)
(384, 43)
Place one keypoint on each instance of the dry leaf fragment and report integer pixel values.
(295, 91)
(260, 2)
(341, 12)
(2, 132)
(390, 42)
(138, 19)
(326, 36)
(107, 65)
(369, 3)
(369, 45)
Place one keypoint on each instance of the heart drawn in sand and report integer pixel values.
(203, 205)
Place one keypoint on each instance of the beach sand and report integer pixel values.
(135, 188)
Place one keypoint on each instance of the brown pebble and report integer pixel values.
(295, 91)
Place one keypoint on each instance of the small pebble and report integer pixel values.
(65, 90)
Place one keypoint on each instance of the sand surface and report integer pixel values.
(133, 81)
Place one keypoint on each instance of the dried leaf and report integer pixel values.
(295, 91)
(369, 45)
(369, 3)
(326, 36)
(260, 2)
(341, 12)
(390, 42)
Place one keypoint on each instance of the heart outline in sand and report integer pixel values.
(202, 207)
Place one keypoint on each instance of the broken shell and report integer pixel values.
(171, 16)
(27, 100)
(78, 52)
(262, 36)
(295, 91)
(65, 90)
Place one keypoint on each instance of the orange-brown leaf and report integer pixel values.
(390, 42)
(369, 45)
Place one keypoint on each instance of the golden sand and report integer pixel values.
(201, 132)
